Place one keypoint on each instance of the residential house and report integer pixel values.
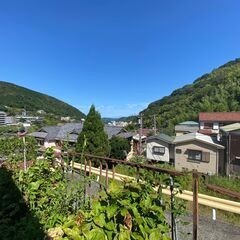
(41, 112)
(2, 118)
(186, 127)
(66, 119)
(187, 152)
(46, 136)
(160, 148)
(145, 132)
(10, 121)
(55, 135)
(196, 151)
(210, 122)
(230, 138)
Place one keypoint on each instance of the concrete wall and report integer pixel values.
(49, 144)
(158, 157)
(182, 161)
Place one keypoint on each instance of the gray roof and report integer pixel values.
(112, 130)
(198, 137)
(70, 132)
(51, 131)
(126, 134)
(163, 137)
(188, 126)
(38, 134)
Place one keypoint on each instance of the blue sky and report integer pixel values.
(119, 55)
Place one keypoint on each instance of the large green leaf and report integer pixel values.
(155, 235)
(73, 234)
(96, 234)
(124, 235)
(35, 185)
(111, 211)
(100, 220)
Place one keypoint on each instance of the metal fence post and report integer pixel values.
(195, 205)
(172, 209)
(106, 176)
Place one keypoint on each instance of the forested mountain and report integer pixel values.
(14, 96)
(216, 91)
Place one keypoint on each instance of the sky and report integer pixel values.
(118, 55)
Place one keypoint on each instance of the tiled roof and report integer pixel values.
(38, 134)
(69, 129)
(112, 130)
(219, 116)
(70, 132)
(52, 132)
(126, 134)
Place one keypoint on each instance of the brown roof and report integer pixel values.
(219, 116)
(206, 131)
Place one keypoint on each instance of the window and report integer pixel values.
(215, 126)
(208, 125)
(178, 151)
(158, 150)
(195, 155)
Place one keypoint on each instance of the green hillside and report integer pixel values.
(216, 91)
(14, 96)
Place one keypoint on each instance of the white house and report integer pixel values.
(160, 148)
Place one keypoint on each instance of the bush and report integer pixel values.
(119, 147)
(128, 211)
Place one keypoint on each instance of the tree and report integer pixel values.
(119, 147)
(93, 134)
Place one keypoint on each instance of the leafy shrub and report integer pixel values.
(128, 211)
(49, 196)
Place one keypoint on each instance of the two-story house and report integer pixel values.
(187, 152)
(186, 127)
(210, 122)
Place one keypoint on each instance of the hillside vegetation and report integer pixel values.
(216, 91)
(14, 96)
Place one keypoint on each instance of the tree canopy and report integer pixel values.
(93, 139)
(119, 147)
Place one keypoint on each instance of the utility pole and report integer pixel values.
(154, 124)
(140, 133)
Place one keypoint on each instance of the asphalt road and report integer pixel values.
(208, 230)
